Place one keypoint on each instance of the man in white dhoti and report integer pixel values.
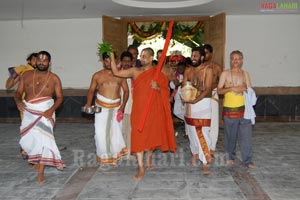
(217, 70)
(110, 145)
(197, 111)
(126, 63)
(178, 108)
(37, 140)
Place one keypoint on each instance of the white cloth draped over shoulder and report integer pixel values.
(37, 139)
(250, 101)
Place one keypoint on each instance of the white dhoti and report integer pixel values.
(37, 139)
(109, 141)
(178, 109)
(126, 124)
(126, 130)
(214, 126)
(197, 117)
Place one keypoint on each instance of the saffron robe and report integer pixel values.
(158, 131)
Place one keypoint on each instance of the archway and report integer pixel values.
(115, 31)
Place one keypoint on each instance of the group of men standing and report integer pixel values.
(123, 92)
(157, 131)
(201, 114)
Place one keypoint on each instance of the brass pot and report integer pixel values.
(188, 92)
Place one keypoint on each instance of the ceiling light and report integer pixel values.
(169, 4)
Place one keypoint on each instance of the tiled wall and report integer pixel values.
(269, 107)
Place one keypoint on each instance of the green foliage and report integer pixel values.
(104, 47)
(190, 36)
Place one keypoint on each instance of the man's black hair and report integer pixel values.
(132, 47)
(105, 55)
(126, 54)
(200, 50)
(208, 47)
(31, 56)
(45, 53)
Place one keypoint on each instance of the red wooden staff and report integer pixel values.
(159, 67)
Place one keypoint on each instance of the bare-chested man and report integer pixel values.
(37, 139)
(233, 83)
(217, 70)
(198, 111)
(158, 131)
(110, 145)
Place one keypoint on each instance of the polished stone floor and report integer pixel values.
(275, 150)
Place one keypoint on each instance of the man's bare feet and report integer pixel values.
(149, 164)
(230, 163)
(251, 166)
(149, 160)
(40, 179)
(194, 160)
(35, 167)
(212, 153)
(140, 174)
(205, 169)
(150, 167)
(113, 166)
(208, 158)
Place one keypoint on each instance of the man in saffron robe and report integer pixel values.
(197, 112)
(37, 139)
(158, 131)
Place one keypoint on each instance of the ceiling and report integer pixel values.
(69, 9)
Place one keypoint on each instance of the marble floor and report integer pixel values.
(275, 152)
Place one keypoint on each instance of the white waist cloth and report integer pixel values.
(199, 110)
(110, 145)
(37, 138)
(107, 100)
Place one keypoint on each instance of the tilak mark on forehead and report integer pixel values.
(42, 57)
